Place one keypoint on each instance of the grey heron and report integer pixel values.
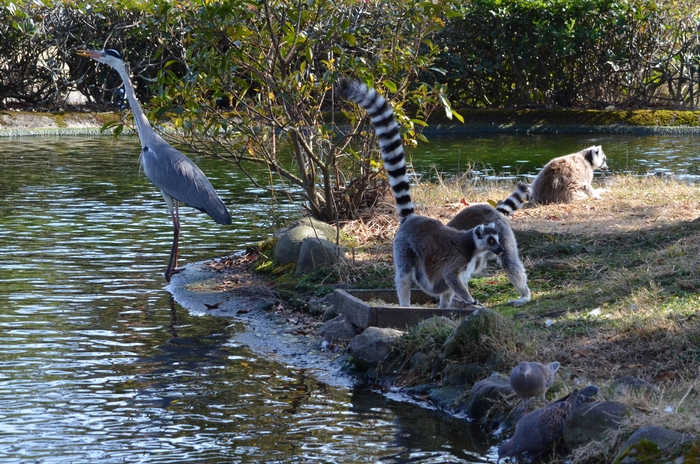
(178, 178)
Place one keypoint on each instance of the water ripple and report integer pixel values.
(97, 364)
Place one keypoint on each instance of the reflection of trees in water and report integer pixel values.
(422, 431)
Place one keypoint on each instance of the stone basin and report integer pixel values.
(355, 304)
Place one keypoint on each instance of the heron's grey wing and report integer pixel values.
(178, 176)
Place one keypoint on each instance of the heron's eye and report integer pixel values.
(113, 52)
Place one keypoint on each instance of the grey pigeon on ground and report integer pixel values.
(536, 431)
(531, 379)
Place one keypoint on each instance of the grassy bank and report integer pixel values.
(615, 283)
(611, 120)
(615, 288)
(87, 120)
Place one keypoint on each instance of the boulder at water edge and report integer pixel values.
(591, 422)
(373, 346)
(658, 441)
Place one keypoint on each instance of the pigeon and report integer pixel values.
(531, 379)
(536, 431)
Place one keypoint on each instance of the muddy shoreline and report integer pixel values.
(269, 330)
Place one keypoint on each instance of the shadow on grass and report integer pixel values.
(573, 272)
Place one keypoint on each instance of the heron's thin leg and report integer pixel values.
(176, 241)
(172, 262)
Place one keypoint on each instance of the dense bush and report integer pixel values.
(591, 53)
(37, 51)
(573, 52)
(251, 81)
(260, 85)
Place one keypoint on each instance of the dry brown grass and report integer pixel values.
(616, 283)
(632, 205)
(674, 410)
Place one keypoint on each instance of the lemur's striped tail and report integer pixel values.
(515, 201)
(390, 142)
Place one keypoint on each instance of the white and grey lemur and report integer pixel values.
(440, 259)
(568, 178)
(509, 260)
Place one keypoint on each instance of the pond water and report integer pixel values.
(98, 364)
(507, 155)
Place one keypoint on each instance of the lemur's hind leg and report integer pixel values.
(514, 269)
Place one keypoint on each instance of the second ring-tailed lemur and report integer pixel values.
(509, 259)
(568, 178)
(440, 259)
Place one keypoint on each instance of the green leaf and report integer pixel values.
(390, 85)
(350, 39)
(116, 126)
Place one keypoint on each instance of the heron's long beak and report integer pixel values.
(94, 54)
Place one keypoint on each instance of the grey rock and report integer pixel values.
(330, 313)
(289, 243)
(322, 229)
(460, 374)
(486, 403)
(663, 438)
(420, 390)
(446, 398)
(420, 360)
(532, 379)
(264, 305)
(633, 384)
(585, 395)
(317, 252)
(468, 329)
(591, 422)
(372, 346)
(321, 306)
(497, 359)
(337, 329)
(536, 431)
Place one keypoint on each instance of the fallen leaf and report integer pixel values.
(665, 376)
(213, 306)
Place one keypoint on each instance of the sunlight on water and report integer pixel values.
(97, 364)
(509, 156)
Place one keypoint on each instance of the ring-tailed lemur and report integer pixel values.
(439, 258)
(509, 259)
(568, 178)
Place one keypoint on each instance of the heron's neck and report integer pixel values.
(143, 127)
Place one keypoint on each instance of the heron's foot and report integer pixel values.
(172, 272)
